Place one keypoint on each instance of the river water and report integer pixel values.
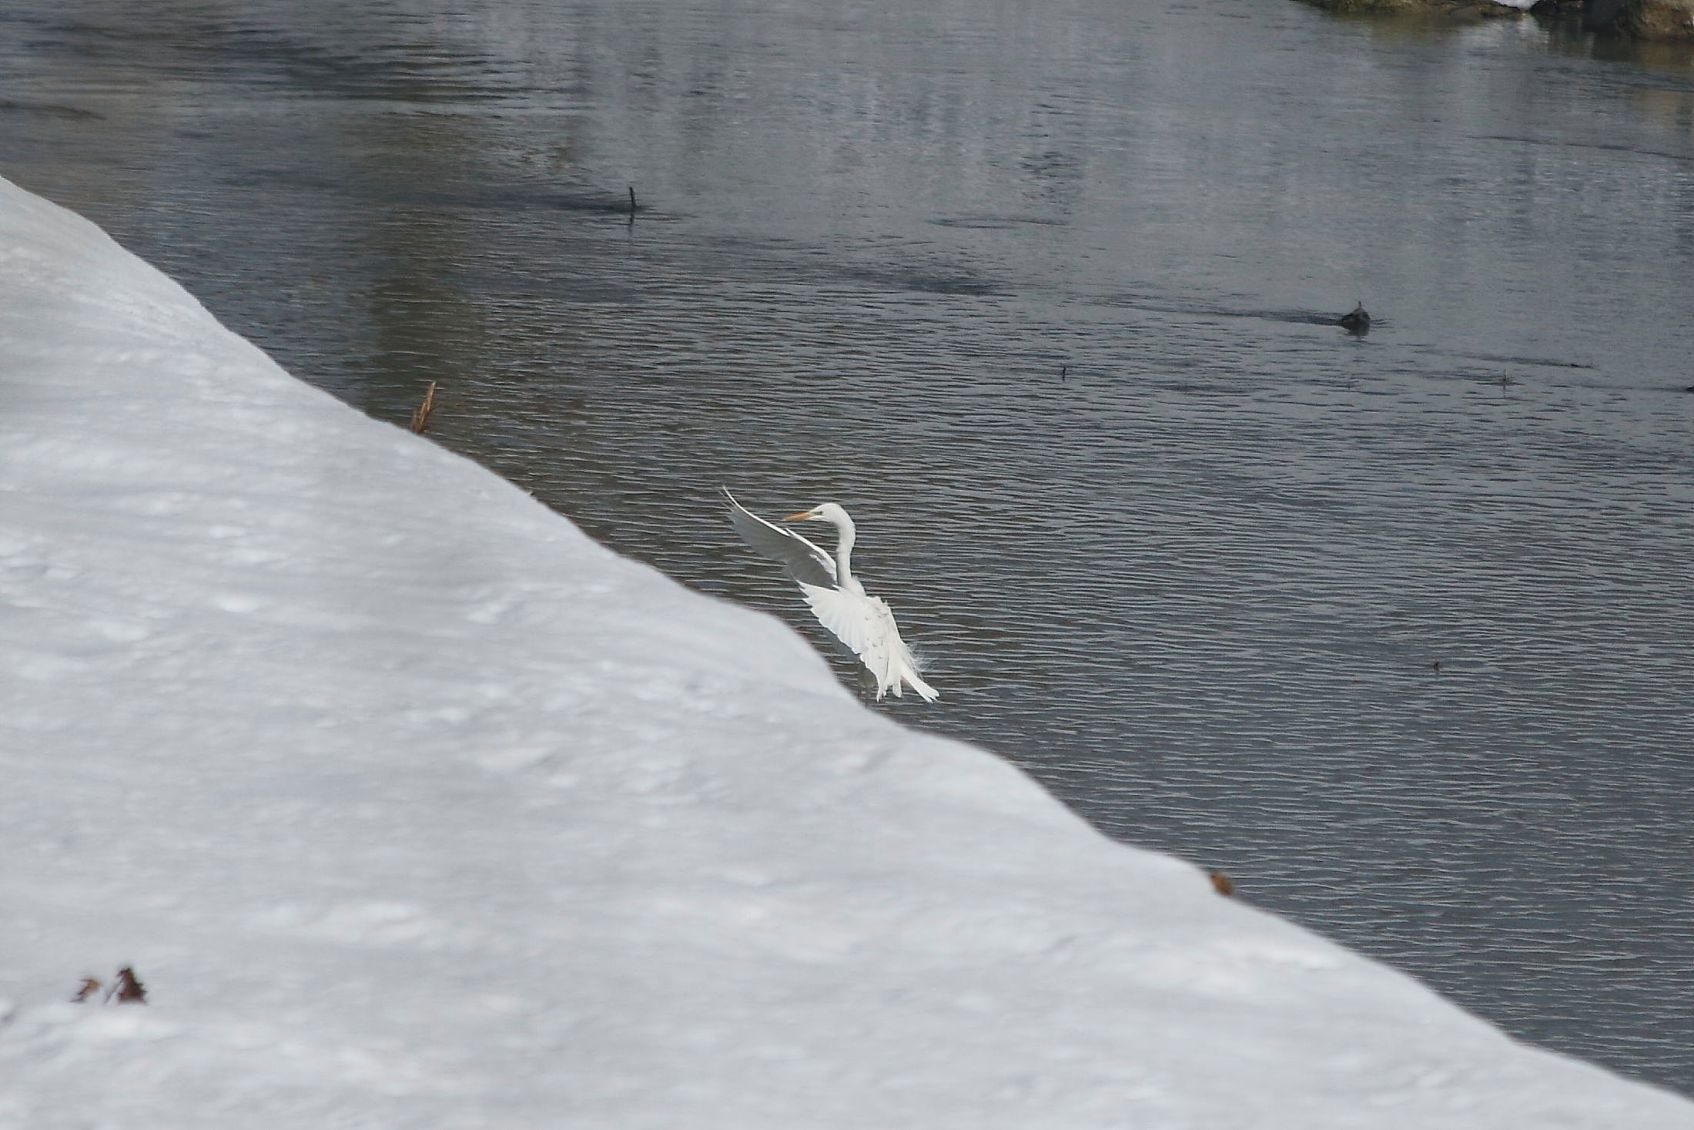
(1394, 629)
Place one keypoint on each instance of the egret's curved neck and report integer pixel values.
(844, 551)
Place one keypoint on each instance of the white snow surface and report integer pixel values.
(413, 807)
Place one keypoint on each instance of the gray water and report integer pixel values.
(1393, 629)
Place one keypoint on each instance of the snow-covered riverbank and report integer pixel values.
(411, 806)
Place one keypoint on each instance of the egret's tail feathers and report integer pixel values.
(925, 691)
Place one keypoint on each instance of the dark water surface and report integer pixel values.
(1042, 293)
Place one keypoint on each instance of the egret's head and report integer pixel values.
(828, 512)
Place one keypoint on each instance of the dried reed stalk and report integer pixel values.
(420, 414)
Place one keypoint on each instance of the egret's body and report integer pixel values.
(863, 622)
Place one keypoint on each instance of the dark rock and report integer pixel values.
(1661, 21)
(1603, 15)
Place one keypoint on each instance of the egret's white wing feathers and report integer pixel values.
(866, 625)
(863, 623)
(805, 562)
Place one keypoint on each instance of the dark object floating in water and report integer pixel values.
(1358, 321)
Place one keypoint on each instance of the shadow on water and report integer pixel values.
(910, 278)
(1203, 309)
(995, 223)
(1529, 362)
(13, 106)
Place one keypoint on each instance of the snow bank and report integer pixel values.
(413, 807)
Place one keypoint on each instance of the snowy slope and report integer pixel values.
(413, 807)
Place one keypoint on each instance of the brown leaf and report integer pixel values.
(128, 988)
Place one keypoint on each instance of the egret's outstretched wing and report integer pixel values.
(806, 562)
(866, 625)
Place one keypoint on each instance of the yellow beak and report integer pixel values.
(801, 516)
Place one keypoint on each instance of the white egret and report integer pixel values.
(864, 623)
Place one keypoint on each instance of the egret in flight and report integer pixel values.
(864, 623)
